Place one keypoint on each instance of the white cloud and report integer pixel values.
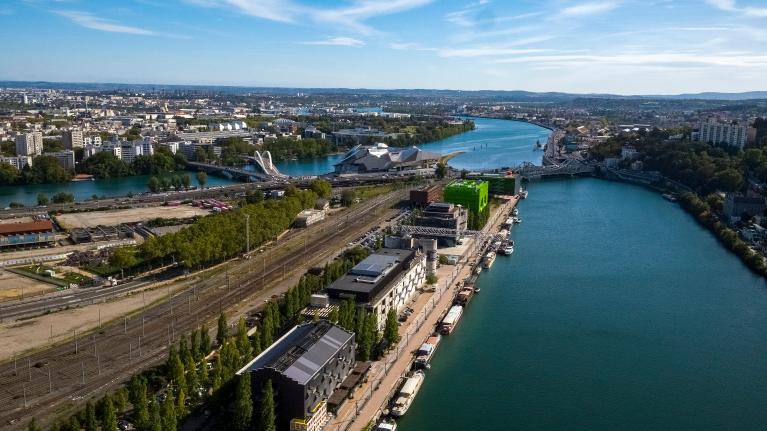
(351, 16)
(732, 6)
(337, 41)
(590, 8)
(88, 20)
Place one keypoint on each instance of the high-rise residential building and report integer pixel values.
(29, 144)
(18, 162)
(713, 132)
(72, 139)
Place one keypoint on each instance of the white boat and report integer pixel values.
(523, 194)
(451, 320)
(515, 212)
(386, 425)
(516, 220)
(489, 259)
(424, 353)
(507, 250)
(407, 394)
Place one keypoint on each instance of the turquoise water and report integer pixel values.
(493, 144)
(616, 312)
(86, 189)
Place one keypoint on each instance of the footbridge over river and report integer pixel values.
(264, 168)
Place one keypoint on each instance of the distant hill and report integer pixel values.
(518, 95)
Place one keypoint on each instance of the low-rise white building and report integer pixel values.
(385, 280)
(18, 162)
(66, 158)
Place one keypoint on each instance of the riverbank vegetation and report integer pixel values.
(701, 167)
(44, 170)
(107, 165)
(704, 211)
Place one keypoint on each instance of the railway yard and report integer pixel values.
(63, 369)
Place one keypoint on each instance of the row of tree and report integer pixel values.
(57, 198)
(704, 211)
(220, 236)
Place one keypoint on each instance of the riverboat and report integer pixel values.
(424, 353)
(407, 394)
(669, 197)
(507, 249)
(523, 194)
(451, 320)
(489, 259)
(386, 425)
(515, 212)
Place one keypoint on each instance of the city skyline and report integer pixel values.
(611, 46)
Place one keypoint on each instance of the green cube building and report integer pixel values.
(471, 194)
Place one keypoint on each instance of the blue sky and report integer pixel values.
(617, 46)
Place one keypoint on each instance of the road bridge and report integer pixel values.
(530, 171)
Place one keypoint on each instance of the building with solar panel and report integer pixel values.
(305, 366)
(385, 280)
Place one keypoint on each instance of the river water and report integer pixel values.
(493, 144)
(616, 312)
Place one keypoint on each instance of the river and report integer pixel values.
(616, 312)
(82, 190)
(493, 144)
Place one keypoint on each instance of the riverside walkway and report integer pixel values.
(372, 397)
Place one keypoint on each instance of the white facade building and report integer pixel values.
(18, 162)
(722, 133)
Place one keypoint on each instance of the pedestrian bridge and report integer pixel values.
(264, 168)
(263, 162)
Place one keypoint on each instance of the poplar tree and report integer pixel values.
(168, 413)
(242, 408)
(109, 418)
(194, 345)
(33, 426)
(223, 330)
(267, 418)
(391, 328)
(137, 397)
(204, 341)
(91, 424)
(155, 423)
(255, 344)
(243, 344)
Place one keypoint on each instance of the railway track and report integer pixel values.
(55, 381)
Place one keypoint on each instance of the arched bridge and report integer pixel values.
(265, 169)
(264, 163)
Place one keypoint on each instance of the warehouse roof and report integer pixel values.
(302, 352)
(29, 227)
(371, 275)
